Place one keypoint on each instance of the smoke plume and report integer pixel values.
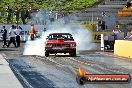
(80, 34)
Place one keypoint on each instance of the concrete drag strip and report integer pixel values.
(29, 76)
(7, 77)
(25, 83)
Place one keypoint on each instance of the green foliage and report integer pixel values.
(47, 4)
(44, 4)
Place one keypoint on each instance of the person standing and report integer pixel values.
(129, 3)
(129, 35)
(17, 33)
(116, 31)
(32, 32)
(23, 16)
(4, 35)
(98, 23)
(103, 25)
(12, 36)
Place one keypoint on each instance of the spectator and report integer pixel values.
(125, 31)
(129, 35)
(27, 15)
(23, 16)
(4, 36)
(129, 3)
(17, 33)
(32, 32)
(12, 36)
(116, 31)
(98, 25)
(102, 25)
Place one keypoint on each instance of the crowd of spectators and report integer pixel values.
(14, 34)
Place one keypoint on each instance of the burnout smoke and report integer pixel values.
(80, 34)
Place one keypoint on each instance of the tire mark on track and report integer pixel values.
(63, 62)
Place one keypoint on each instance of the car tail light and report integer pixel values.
(48, 45)
(73, 45)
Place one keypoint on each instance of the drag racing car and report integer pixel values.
(60, 43)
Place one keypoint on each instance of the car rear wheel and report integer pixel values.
(46, 54)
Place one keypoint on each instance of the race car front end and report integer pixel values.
(54, 48)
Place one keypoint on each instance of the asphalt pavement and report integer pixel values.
(7, 77)
(34, 71)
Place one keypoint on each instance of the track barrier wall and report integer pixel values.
(123, 48)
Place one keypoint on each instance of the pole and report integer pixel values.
(102, 42)
(92, 17)
(56, 15)
(24, 35)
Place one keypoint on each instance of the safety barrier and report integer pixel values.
(123, 48)
(97, 36)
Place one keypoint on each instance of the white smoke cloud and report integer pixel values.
(80, 34)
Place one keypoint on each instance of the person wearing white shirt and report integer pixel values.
(12, 36)
(116, 31)
(129, 35)
(17, 33)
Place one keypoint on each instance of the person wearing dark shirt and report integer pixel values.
(4, 35)
(27, 14)
(23, 16)
(102, 25)
(129, 3)
(17, 33)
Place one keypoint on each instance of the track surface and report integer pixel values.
(59, 71)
